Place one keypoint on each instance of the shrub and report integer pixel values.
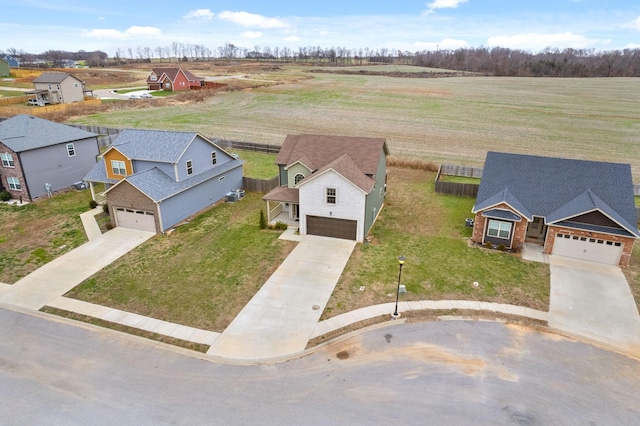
(105, 208)
(263, 221)
(488, 245)
(5, 195)
(502, 247)
(281, 226)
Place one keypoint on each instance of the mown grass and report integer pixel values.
(459, 179)
(200, 275)
(258, 165)
(455, 120)
(10, 93)
(428, 230)
(33, 234)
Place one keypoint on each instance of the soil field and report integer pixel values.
(453, 120)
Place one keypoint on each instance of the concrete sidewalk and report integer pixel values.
(281, 317)
(67, 271)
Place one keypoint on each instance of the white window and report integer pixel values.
(331, 195)
(499, 229)
(71, 150)
(189, 167)
(14, 183)
(298, 178)
(118, 167)
(7, 160)
(214, 158)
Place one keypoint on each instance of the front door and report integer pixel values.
(536, 229)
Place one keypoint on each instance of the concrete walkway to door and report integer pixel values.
(593, 300)
(280, 319)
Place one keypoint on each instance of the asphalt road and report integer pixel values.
(453, 372)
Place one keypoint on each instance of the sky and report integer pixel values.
(35, 26)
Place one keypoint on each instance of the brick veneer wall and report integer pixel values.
(126, 196)
(16, 171)
(519, 230)
(626, 249)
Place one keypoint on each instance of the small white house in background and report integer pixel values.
(333, 186)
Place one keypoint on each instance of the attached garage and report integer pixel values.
(136, 219)
(331, 227)
(585, 248)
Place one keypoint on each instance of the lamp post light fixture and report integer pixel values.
(400, 262)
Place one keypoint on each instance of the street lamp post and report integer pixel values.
(400, 262)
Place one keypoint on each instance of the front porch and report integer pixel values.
(284, 218)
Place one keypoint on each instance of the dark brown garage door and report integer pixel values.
(330, 227)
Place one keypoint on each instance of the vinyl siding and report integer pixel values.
(187, 203)
(53, 165)
(374, 199)
(199, 152)
(293, 171)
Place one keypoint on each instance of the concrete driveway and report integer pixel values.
(593, 300)
(279, 320)
(67, 271)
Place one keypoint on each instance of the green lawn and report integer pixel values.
(200, 275)
(258, 165)
(33, 234)
(10, 93)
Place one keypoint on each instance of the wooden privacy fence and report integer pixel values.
(258, 185)
(457, 188)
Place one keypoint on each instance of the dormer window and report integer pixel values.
(118, 167)
(298, 178)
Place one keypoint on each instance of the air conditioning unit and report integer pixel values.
(232, 197)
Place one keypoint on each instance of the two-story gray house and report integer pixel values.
(155, 179)
(38, 156)
(57, 88)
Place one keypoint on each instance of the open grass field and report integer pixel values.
(454, 119)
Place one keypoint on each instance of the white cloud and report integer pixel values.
(537, 41)
(202, 14)
(292, 38)
(635, 24)
(251, 20)
(109, 33)
(443, 4)
(252, 34)
(445, 44)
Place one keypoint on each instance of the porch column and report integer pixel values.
(93, 193)
(268, 212)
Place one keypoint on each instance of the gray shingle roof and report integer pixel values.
(53, 77)
(98, 173)
(158, 186)
(346, 167)
(24, 132)
(557, 188)
(153, 145)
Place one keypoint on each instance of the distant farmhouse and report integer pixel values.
(173, 79)
(57, 88)
(4, 68)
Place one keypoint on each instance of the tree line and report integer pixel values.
(496, 61)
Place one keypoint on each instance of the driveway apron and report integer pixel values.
(593, 300)
(67, 271)
(280, 319)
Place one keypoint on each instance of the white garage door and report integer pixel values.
(136, 219)
(585, 248)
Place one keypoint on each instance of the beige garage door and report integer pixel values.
(330, 227)
(585, 248)
(136, 219)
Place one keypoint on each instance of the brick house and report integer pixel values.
(172, 79)
(575, 208)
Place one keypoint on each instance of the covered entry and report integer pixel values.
(136, 219)
(586, 248)
(331, 227)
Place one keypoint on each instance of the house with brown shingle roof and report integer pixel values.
(331, 186)
(172, 79)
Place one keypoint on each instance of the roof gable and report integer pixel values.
(153, 145)
(171, 74)
(347, 168)
(24, 132)
(557, 187)
(54, 77)
(324, 149)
